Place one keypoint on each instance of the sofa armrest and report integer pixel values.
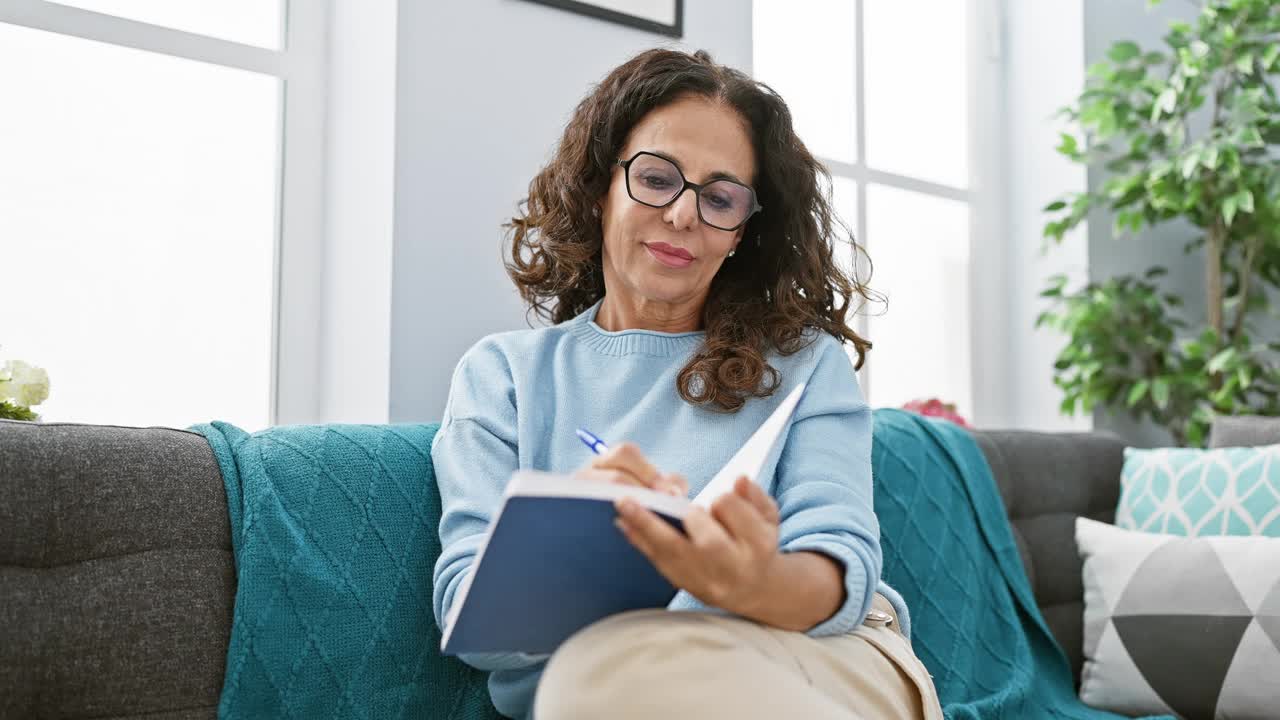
(116, 575)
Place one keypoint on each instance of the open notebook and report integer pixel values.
(553, 562)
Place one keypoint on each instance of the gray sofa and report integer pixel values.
(117, 583)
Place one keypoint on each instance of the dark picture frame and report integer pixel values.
(585, 7)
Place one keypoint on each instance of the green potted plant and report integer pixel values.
(1128, 348)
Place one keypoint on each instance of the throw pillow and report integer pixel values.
(1183, 625)
(1193, 492)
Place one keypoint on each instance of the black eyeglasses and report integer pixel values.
(656, 181)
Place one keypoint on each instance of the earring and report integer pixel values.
(731, 252)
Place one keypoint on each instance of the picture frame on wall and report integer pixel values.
(665, 17)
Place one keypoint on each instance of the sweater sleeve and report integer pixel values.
(824, 485)
(473, 453)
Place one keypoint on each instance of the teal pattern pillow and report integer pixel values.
(1193, 492)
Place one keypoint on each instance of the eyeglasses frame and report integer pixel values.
(697, 191)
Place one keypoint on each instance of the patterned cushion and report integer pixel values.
(1192, 492)
(1188, 625)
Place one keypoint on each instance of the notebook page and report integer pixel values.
(751, 456)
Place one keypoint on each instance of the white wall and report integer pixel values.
(484, 88)
(355, 334)
(1044, 70)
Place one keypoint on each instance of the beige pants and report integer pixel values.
(661, 664)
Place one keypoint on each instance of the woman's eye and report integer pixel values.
(656, 181)
(719, 202)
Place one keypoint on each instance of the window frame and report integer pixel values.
(987, 258)
(300, 65)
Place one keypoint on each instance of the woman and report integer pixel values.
(682, 244)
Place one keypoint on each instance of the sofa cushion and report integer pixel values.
(1176, 624)
(116, 580)
(1195, 492)
(1244, 431)
(1047, 480)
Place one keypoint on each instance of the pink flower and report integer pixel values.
(933, 407)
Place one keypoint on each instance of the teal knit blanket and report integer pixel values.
(335, 533)
(950, 552)
(334, 529)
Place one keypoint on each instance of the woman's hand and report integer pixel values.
(624, 464)
(725, 558)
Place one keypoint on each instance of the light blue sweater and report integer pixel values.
(517, 397)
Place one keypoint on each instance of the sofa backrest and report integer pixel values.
(117, 577)
(116, 573)
(1047, 480)
(1244, 431)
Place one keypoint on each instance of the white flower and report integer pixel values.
(26, 384)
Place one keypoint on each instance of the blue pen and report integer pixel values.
(590, 440)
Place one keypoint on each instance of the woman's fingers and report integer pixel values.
(615, 477)
(626, 458)
(743, 520)
(754, 494)
(706, 533)
(676, 484)
(671, 484)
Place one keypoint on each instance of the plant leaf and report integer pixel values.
(1160, 392)
(1068, 145)
(1137, 392)
(1124, 51)
(1220, 361)
(1068, 406)
(1252, 138)
(1244, 199)
(1269, 57)
(1167, 101)
(1189, 164)
(1210, 157)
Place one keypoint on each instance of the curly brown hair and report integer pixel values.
(761, 300)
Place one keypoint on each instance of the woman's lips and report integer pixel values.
(670, 259)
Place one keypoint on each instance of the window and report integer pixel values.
(145, 198)
(880, 92)
(251, 22)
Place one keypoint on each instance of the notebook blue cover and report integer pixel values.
(552, 566)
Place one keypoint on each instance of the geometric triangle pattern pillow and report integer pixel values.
(1189, 626)
(1192, 492)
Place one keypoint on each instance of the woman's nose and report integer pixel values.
(683, 212)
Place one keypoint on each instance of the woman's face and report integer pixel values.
(668, 256)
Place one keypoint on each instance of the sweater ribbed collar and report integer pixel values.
(631, 342)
